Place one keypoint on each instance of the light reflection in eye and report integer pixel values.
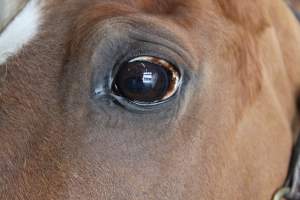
(150, 79)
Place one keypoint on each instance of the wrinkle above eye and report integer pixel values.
(134, 28)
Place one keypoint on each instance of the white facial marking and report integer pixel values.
(20, 31)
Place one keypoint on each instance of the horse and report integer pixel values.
(147, 99)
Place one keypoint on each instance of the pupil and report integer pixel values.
(142, 81)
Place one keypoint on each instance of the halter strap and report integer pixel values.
(291, 188)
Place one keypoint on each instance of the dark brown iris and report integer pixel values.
(145, 80)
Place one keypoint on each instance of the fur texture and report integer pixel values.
(228, 135)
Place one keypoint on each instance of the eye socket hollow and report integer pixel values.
(146, 80)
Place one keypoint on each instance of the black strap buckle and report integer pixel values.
(291, 189)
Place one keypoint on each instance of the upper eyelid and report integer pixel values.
(169, 43)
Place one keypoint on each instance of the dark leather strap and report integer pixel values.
(293, 180)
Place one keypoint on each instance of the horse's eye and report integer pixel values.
(146, 80)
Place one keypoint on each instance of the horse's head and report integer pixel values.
(147, 99)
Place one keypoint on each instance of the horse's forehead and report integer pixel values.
(28, 20)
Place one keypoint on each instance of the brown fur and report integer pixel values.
(228, 137)
(242, 14)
